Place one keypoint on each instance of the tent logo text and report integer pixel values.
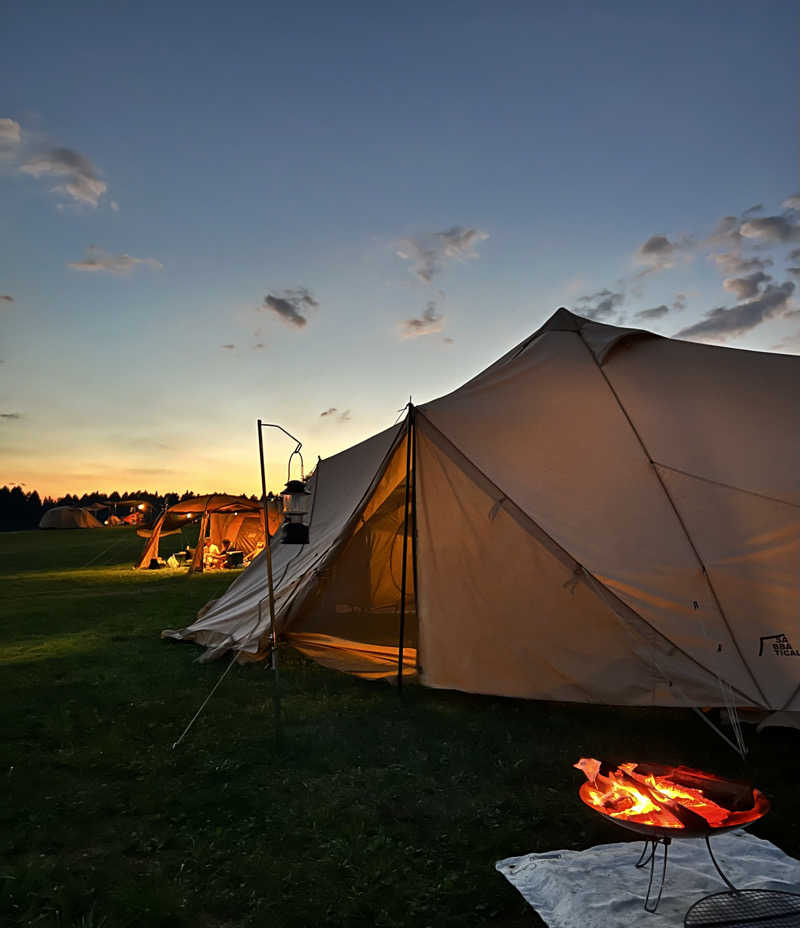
(780, 644)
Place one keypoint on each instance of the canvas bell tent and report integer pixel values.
(603, 515)
(220, 517)
(68, 517)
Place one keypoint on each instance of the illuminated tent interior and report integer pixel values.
(603, 515)
(220, 517)
(68, 517)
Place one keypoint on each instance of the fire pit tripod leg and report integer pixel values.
(728, 883)
(644, 859)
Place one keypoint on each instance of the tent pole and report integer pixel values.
(276, 698)
(197, 560)
(414, 532)
(409, 426)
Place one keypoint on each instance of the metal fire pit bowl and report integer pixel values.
(745, 799)
(734, 908)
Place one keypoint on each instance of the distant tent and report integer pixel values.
(236, 518)
(603, 515)
(68, 517)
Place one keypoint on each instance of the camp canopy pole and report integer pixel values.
(400, 644)
(276, 699)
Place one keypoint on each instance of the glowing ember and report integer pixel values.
(672, 798)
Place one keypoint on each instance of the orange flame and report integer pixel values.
(656, 800)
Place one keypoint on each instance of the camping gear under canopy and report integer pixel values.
(603, 515)
(236, 518)
(68, 517)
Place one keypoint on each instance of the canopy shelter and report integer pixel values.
(235, 518)
(68, 517)
(134, 511)
(603, 515)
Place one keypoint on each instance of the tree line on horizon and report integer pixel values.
(20, 510)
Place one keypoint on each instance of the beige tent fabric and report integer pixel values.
(603, 515)
(68, 517)
(357, 600)
(506, 611)
(340, 487)
(577, 469)
(552, 427)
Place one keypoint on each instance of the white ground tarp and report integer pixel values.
(603, 515)
(600, 887)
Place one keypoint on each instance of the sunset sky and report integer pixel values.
(308, 212)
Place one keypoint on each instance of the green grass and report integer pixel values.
(375, 811)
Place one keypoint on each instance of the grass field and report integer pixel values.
(376, 810)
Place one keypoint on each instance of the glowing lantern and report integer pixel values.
(296, 508)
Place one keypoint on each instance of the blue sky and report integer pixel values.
(521, 156)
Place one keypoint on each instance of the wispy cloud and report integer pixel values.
(655, 313)
(428, 323)
(98, 260)
(745, 288)
(333, 413)
(658, 253)
(600, 305)
(723, 322)
(429, 257)
(794, 255)
(772, 229)
(737, 246)
(726, 234)
(10, 133)
(424, 261)
(460, 243)
(290, 305)
(72, 173)
(733, 264)
(81, 179)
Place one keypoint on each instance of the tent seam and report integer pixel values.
(727, 486)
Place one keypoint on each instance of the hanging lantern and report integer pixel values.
(296, 508)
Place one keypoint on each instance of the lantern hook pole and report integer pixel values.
(276, 703)
(274, 425)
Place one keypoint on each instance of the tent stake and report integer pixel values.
(276, 696)
(401, 642)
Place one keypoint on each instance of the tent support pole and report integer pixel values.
(276, 696)
(414, 536)
(401, 641)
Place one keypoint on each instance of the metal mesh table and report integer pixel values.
(745, 908)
